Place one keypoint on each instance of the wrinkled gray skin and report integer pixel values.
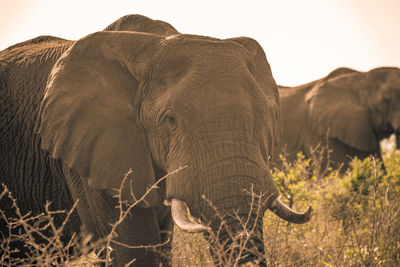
(353, 110)
(76, 116)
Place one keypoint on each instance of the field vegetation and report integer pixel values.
(356, 222)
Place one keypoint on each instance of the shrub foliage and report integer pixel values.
(356, 221)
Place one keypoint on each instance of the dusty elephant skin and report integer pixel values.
(76, 116)
(352, 110)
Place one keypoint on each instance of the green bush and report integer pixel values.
(356, 219)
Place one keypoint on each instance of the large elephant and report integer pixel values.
(76, 116)
(350, 110)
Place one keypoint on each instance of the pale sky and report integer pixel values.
(303, 39)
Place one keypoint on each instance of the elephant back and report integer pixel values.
(40, 40)
(338, 72)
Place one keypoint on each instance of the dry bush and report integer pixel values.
(81, 250)
(42, 239)
(356, 219)
(356, 222)
(190, 250)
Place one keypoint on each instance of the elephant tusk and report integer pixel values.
(182, 218)
(286, 213)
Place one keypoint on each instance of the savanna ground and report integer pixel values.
(356, 221)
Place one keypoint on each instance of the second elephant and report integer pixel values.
(350, 110)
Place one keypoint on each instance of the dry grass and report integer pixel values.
(356, 222)
(190, 250)
(356, 219)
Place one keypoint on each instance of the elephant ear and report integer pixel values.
(139, 23)
(335, 108)
(263, 75)
(88, 117)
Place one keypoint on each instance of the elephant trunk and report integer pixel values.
(228, 185)
(238, 240)
(235, 236)
(231, 204)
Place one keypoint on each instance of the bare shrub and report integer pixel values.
(356, 222)
(42, 239)
(190, 250)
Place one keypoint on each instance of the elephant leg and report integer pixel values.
(97, 211)
(146, 232)
(344, 154)
(338, 157)
(365, 154)
(165, 222)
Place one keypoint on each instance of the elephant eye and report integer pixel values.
(170, 121)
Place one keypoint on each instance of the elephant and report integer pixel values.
(76, 116)
(348, 110)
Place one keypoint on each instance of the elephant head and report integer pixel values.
(139, 23)
(121, 100)
(383, 101)
(358, 108)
